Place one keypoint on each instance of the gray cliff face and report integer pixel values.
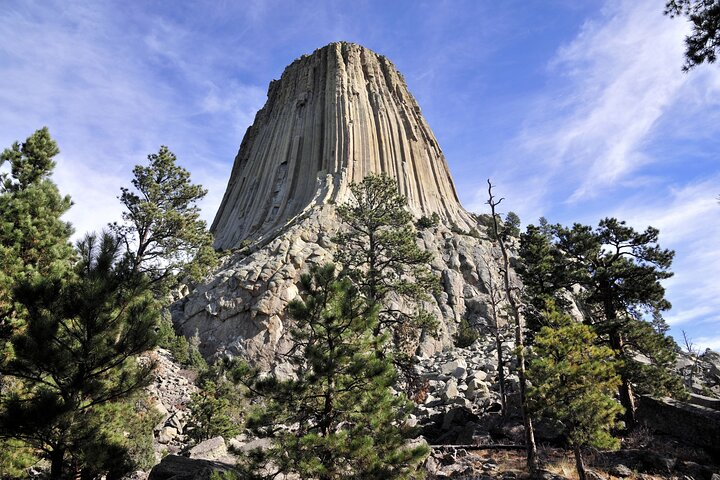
(333, 118)
(242, 309)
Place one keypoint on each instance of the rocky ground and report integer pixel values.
(458, 416)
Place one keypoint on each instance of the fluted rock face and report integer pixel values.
(333, 118)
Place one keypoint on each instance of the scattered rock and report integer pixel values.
(620, 470)
(451, 390)
(212, 449)
(457, 368)
(547, 475)
(594, 475)
(167, 434)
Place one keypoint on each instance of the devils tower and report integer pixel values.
(333, 117)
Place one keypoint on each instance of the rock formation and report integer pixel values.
(334, 117)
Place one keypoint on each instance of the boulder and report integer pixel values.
(456, 368)
(477, 389)
(175, 467)
(451, 390)
(621, 471)
(167, 434)
(212, 449)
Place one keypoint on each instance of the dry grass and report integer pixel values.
(555, 460)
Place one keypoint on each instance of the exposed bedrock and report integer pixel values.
(334, 117)
(241, 310)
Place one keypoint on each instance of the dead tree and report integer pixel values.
(694, 356)
(496, 299)
(532, 461)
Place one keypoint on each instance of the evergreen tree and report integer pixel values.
(704, 42)
(34, 241)
(378, 250)
(218, 407)
(512, 224)
(466, 334)
(379, 254)
(546, 274)
(162, 230)
(77, 357)
(507, 228)
(574, 383)
(620, 271)
(348, 419)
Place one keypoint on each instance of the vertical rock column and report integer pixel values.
(334, 117)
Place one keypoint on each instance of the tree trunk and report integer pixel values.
(56, 463)
(494, 301)
(532, 461)
(627, 400)
(579, 464)
(501, 370)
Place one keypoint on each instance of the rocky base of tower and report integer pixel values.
(241, 310)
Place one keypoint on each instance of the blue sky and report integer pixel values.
(576, 110)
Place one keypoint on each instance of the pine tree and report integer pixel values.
(77, 357)
(218, 407)
(378, 250)
(574, 381)
(34, 241)
(546, 273)
(512, 225)
(348, 419)
(703, 44)
(466, 334)
(620, 271)
(164, 236)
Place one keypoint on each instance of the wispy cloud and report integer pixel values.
(620, 131)
(713, 343)
(688, 218)
(608, 92)
(111, 96)
(620, 75)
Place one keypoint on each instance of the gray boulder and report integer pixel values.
(175, 467)
(212, 449)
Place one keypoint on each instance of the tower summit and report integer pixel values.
(334, 117)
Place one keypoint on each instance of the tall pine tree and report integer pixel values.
(349, 422)
(620, 270)
(378, 250)
(163, 234)
(76, 356)
(34, 241)
(547, 274)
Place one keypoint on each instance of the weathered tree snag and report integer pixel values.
(532, 461)
(495, 300)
